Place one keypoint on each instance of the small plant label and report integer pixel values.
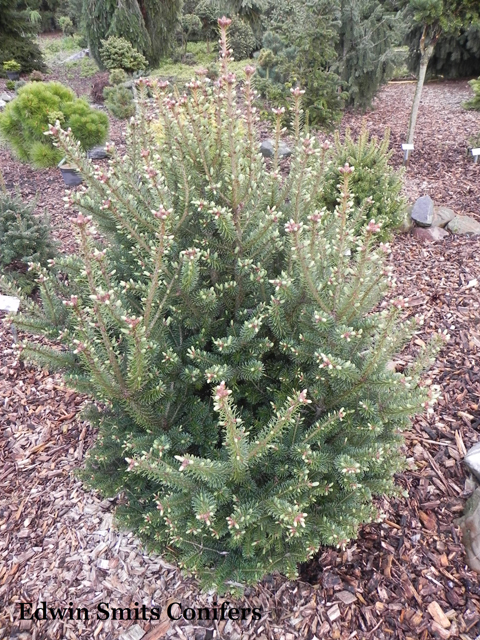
(475, 154)
(9, 304)
(407, 148)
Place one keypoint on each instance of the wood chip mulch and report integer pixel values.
(404, 577)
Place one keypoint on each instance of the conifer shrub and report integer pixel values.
(302, 38)
(10, 85)
(375, 185)
(118, 53)
(24, 238)
(17, 33)
(36, 76)
(228, 331)
(119, 101)
(117, 76)
(66, 25)
(241, 39)
(26, 118)
(474, 103)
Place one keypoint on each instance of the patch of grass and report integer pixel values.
(88, 67)
(182, 73)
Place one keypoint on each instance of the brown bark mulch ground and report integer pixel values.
(405, 577)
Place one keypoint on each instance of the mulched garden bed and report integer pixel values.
(405, 577)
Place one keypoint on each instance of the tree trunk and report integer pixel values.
(426, 52)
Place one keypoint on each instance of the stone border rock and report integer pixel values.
(431, 223)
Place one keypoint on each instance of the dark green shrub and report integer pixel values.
(10, 85)
(149, 25)
(230, 331)
(302, 38)
(374, 184)
(208, 14)
(241, 39)
(118, 53)
(119, 101)
(17, 33)
(38, 104)
(117, 76)
(474, 103)
(24, 238)
(368, 32)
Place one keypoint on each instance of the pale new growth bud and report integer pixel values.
(373, 227)
(346, 169)
(221, 391)
(297, 92)
(224, 22)
(292, 226)
(302, 397)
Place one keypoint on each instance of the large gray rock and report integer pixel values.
(472, 460)
(470, 526)
(430, 234)
(422, 212)
(6, 97)
(97, 153)
(442, 216)
(267, 149)
(464, 225)
(3, 104)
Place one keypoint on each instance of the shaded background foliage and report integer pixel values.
(148, 24)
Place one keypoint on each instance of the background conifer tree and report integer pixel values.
(17, 34)
(148, 25)
(455, 56)
(366, 56)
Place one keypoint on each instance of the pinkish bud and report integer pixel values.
(297, 92)
(373, 227)
(346, 169)
(224, 22)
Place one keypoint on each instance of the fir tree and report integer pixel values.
(225, 325)
(303, 37)
(367, 33)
